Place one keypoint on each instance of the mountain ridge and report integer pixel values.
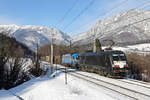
(30, 35)
(116, 28)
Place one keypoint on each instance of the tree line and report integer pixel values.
(13, 55)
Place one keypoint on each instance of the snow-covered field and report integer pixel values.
(54, 88)
(139, 48)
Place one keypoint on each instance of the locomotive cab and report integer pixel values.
(107, 63)
(119, 64)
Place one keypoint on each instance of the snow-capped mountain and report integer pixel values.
(31, 35)
(117, 28)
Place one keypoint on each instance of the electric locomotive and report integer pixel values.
(66, 60)
(71, 60)
(107, 63)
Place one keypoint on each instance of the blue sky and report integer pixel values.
(50, 12)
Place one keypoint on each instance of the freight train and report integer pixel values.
(107, 63)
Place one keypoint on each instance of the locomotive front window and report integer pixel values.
(115, 57)
(122, 57)
(118, 57)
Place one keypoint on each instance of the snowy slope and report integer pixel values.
(45, 88)
(31, 35)
(7, 95)
(54, 88)
(139, 48)
(114, 28)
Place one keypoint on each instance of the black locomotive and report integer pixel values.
(107, 63)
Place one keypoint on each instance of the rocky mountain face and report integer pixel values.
(31, 35)
(117, 29)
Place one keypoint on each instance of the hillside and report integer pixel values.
(12, 47)
(31, 35)
(117, 28)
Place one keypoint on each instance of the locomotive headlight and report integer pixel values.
(125, 65)
(116, 66)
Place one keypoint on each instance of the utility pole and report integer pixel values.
(66, 66)
(56, 64)
(94, 44)
(70, 47)
(37, 59)
(37, 54)
(51, 52)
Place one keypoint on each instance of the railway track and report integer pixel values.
(135, 82)
(138, 83)
(130, 94)
(19, 97)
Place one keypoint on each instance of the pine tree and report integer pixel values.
(11, 52)
(98, 45)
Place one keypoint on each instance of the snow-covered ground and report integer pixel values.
(54, 88)
(6, 95)
(139, 48)
(50, 87)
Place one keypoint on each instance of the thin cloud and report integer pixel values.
(6, 21)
